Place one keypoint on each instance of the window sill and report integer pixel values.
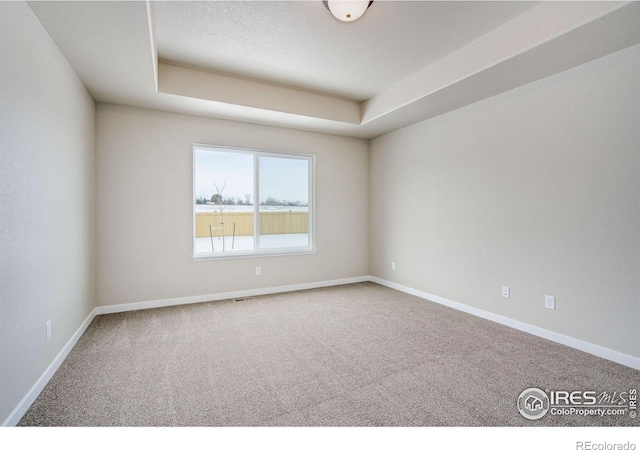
(252, 254)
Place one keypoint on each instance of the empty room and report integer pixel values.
(320, 214)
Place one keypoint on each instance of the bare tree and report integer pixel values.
(218, 200)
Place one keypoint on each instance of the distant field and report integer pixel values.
(248, 208)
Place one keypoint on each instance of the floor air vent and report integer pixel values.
(242, 299)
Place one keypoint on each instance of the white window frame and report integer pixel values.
(257, 252)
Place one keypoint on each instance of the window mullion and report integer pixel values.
(256, 202)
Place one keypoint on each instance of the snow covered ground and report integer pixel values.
(203, 245)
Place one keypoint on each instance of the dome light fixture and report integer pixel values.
(347, 10)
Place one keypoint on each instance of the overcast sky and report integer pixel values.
(281, 178)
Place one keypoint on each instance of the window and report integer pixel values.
(251, 202)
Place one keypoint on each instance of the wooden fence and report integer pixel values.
(279, 222)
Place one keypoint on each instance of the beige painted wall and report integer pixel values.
(47, 214)
(537, 189)
(145, 155)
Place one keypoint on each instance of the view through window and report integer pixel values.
(251, 202)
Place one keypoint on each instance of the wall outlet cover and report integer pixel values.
(549, 302)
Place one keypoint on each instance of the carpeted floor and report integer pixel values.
(353, 355)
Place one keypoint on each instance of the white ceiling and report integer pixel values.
(300, 44)
(291, 64)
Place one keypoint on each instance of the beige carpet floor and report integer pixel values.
(353, 355)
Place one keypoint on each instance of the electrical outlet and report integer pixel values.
(258, 270)
(48, 330)
(506, 291)
(393, 266)
(549, 302)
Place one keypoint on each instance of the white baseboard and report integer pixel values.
(35, 390)
(33, 393)
(110, 309)
(587, 347)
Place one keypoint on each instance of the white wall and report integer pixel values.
(537, 189)
(145, 207)
(47, 214)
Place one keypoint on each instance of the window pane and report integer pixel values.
(224, 219)
(284, 202)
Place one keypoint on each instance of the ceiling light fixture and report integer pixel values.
(347, 10)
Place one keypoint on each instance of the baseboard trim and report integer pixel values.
(29, 398)
(110, 309)
(35, 390)
(587, 347)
